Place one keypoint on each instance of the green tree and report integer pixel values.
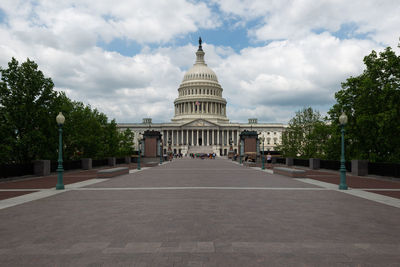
(26, 113)
(305, 136)
(28, 131)
(372, 104)
(126, 143)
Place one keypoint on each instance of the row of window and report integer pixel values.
(200, 76)
(199, 91)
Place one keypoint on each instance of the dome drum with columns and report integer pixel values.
(200, 124)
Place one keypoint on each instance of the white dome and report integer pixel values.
(200, 72)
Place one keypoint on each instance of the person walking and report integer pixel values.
(269, 160)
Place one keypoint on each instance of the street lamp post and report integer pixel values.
(240, 151)
(60, 119)
(262, 156)
(342, 185)
(169, 149)
(139, 152)
(161, 152)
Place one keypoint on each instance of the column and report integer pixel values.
(212, 137)
(192, 136)
(167, 136)
(176, 137)
(181, 131)
(217, 137)
(202, 137)
(187, 137)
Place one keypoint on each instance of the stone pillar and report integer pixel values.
(359, 167)
(167, 136)
(217, 137)
(41, 167)
(86, 164)
(226, 133)
(314, 163)
(192, 131)
(182, 137)
(289, 161)
(187, 137)
(212, 137)
(111, 161)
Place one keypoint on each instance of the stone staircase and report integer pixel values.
(200, 149)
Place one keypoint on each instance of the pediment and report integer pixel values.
(199, 123)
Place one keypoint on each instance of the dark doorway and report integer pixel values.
(200, 141)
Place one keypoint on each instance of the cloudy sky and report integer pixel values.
(128, 57)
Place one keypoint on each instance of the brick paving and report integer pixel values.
(358, 182)
(193, 212)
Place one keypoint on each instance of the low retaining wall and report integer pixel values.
(109, 173)
(294, 173)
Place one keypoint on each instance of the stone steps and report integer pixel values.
(200, 149)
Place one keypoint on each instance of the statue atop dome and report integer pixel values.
(200, 41)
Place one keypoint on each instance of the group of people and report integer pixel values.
(202, 155)
(247, 158)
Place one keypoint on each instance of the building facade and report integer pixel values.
(200, 124)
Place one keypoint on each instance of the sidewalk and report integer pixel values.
(19, 187)
(200, 213)
(382, 185)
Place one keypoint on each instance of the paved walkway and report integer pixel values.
(200, 213)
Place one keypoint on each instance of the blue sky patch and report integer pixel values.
(349, 31)
(125, 47)
(3, 16)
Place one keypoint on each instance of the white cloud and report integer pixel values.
(288, 75)
(142, 21)
(286, 19)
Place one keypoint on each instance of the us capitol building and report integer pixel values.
(200, 124)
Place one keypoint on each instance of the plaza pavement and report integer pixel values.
(193, 212)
